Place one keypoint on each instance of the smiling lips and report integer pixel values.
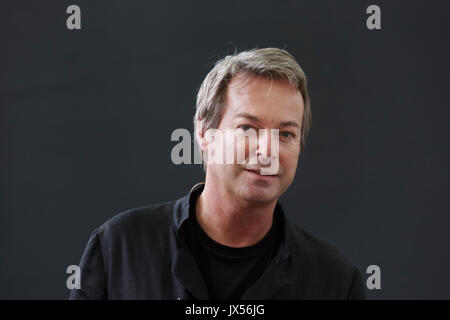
(258, 172)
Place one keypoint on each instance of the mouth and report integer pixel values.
(259, 174)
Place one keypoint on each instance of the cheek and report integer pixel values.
(289, 158)
(242, 147)
(236, 149)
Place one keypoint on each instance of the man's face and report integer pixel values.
(258, 103)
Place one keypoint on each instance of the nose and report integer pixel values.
(267, 146)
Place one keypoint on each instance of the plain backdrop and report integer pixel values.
(86, 118)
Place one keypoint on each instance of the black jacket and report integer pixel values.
(141, 254)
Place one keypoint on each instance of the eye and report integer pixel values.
(245, 127)
(286, 134)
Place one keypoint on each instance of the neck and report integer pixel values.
(233, 221)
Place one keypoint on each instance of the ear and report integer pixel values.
(200, 134)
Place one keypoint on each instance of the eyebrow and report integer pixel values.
(256, 119)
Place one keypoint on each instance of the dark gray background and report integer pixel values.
(86, 119)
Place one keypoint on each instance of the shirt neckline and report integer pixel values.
(233, 252)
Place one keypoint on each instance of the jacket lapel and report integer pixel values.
(268, 285)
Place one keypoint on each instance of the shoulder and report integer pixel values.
(150, 221)
(319, 250)
(324, 267)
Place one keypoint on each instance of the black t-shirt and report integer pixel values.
(228, 271)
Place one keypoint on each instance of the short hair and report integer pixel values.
(273, 63)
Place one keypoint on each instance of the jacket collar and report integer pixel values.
(181, 212)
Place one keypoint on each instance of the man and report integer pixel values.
(229, 238)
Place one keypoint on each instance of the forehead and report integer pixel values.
(267, 99)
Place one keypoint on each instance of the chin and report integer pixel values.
(257, 194)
